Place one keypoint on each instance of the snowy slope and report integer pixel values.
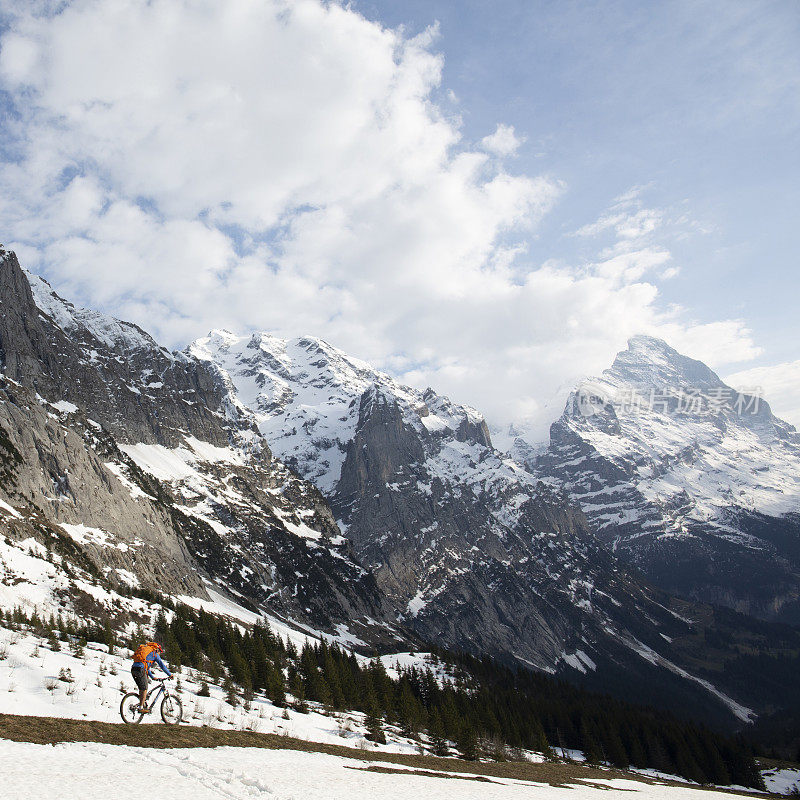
(234, 773)
(38, 680)
(301, 392)
(784, 781)
(668, 462)
(112, 333)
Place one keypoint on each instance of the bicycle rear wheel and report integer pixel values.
(129, 709)
(171, 709)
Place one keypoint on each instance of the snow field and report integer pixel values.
(30, 682)
(65, 770)
(782, 781)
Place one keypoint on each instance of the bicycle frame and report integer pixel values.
(153, 697)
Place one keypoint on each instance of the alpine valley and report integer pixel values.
(651, 551)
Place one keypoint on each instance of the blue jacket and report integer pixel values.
(152, 659)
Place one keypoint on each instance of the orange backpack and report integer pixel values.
(144, 650)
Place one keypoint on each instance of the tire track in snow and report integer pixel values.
(229, 783)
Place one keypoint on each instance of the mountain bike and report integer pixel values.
(171, 706)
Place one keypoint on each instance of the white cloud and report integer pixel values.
(669, 273)
(778, 384)
(627, 220)
(503, 142)
(718, 344)
(283, 166)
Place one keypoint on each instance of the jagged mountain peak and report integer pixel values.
(696, 483)
(109, 331)
(21, 289)
(305, 396)
(135, 388)
(651, 362)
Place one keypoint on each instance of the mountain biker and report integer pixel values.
(144, 658)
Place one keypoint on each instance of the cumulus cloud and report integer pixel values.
(503, 142)
(285, 166)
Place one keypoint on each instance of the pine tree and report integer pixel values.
(436, 734)
(591, 750)
(614, 749)
(373, 721)
(538, 740)
(467, 742)
(231, 698)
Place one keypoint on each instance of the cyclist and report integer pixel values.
(145, 657)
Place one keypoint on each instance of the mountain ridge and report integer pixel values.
(308, 485)
(450, 527)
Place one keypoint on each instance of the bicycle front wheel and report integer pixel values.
(171, 710)
(129, 709)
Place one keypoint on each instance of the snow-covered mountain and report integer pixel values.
(475, 550)
(132, 455)
(694, 483)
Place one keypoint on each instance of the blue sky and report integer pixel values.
(484, 197)
(697, 101)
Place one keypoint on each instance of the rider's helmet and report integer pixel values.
(159, 648)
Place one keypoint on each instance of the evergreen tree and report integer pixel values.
(467, 742)
(591, 750)
(436, 734)
(53, 643)
(373, 721)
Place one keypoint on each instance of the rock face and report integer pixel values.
(695, 484)
(90, 359)
(57, 473)
(475, 551)
(137, 455)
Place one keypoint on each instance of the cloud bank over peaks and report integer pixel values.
(294, 167)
